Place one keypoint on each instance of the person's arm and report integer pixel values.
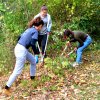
(34, 39)
(72, 40)
(77, 39)
(80, 42)
(78, 36)
(34, 48)
(49, 24)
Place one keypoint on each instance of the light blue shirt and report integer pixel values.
(28, 36)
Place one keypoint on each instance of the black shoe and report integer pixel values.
(45, 56)
(32, 77)
(6, 87)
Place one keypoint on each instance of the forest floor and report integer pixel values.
(81, 83)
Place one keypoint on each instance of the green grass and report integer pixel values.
(45, 78)
(24, 83)
(53, 88)
(35, 83)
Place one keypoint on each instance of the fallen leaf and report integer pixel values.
(76, 91)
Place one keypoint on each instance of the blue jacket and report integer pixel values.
(29, 38)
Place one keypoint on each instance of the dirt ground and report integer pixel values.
(82, 83)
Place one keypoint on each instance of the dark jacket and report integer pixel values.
(78, 36)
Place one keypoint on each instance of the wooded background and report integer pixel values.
(73, 14)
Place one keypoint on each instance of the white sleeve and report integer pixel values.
(49, 25)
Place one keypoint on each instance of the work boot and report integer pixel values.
(45, 56)
(7, 92)
(32, 77)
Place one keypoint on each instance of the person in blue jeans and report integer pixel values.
(26, 40)
(84, 41)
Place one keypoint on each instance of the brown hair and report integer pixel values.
(67, 32)
(35, 22)
(44, 7)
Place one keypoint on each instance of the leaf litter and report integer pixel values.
(56, 81)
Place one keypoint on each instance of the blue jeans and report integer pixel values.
(87, 42)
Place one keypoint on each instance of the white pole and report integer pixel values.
(45, 48)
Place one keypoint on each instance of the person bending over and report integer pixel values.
(83, 39)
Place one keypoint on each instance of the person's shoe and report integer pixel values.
(81, 62)
(32, 77)
(36, 58)
(75, 64)
(7, 92)
(45, 56)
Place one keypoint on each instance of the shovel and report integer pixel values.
(66, 47)
(42, 55)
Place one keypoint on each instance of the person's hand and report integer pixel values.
(49, 33)
(67, 55)
(68, 44)
(75, 49)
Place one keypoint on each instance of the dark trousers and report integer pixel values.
(42, 42)
(42, 39)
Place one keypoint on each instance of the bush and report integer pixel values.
(71, 14)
